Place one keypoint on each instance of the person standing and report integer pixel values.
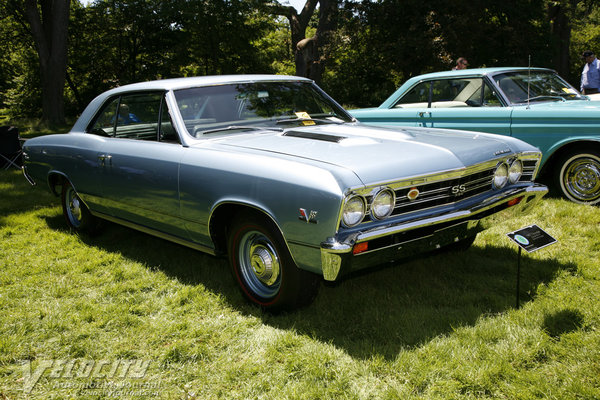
(461, 63)
(590, 76)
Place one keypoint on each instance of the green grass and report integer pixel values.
(443, 326)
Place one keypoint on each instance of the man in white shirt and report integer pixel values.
(590, 76)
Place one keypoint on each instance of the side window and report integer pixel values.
(167, 130)
(131, 116)
(138, 116)
(490, 97)
(418, 96)
(105, 121)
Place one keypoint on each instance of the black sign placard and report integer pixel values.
(531, 238)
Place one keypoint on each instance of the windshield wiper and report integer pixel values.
(238, 127)
(549, 97)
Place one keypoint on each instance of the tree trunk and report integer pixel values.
(298, 25)
(49, 21)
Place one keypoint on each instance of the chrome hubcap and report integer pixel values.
(582, 179)
(259, 264)
(74, 208)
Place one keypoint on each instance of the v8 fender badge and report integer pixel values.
(308, 216)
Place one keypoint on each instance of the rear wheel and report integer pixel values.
(263, 267)
(578, 176)
(76, 213)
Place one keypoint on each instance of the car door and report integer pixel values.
(467, 103)
(139, 162)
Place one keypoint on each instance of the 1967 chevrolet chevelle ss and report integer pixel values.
(273, 173)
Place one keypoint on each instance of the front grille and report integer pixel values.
(529, 167)
(444, 192)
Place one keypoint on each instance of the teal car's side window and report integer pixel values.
(447, 93)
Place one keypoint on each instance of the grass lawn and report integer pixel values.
(125, 314)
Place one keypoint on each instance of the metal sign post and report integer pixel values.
(530, 238)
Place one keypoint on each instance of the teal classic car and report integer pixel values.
(272, 173)
(532, 104)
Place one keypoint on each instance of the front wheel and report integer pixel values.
(263, 267)
(76, 213)
(578, 177)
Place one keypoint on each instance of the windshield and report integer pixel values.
(241, 106)
(531, 86)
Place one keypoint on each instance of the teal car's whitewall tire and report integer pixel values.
(579, 177)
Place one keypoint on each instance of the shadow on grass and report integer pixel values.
(377, 313)
(407, 304)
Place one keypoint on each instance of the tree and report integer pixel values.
(310, 53)
(48, 23)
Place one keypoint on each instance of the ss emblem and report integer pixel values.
(458, 190)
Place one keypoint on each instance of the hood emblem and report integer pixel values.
(413, 193)
(499, 152)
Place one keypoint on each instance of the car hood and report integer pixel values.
(565, 105)
(379, 154)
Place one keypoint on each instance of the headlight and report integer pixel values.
(500, 176)
(515, 171)
(354, 211)
(383, 204)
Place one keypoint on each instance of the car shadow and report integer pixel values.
(376, 313)
(405, 305)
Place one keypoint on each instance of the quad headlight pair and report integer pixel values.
(355, 207)
(383, 201)
(506, 173)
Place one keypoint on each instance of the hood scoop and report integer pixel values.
(314, 136)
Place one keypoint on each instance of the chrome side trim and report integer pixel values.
(153, 232)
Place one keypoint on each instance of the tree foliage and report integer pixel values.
(358, 51)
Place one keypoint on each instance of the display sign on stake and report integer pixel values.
(530, 238)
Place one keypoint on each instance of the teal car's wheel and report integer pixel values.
(579, 177)
(263, 267)
(76, 213)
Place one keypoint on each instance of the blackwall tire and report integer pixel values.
(264, 269)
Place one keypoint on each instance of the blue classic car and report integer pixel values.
(532, 104)
(271, 172)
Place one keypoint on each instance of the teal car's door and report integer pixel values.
(482, 119)
(467, 103)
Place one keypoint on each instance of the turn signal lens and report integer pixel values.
(360, 248)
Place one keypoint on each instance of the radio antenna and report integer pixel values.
(528, 80)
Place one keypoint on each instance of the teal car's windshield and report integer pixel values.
(533, 86)
(244, 106)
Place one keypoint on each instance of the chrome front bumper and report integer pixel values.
(405, 238)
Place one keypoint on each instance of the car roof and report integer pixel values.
(182, 83)
(475, 71)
